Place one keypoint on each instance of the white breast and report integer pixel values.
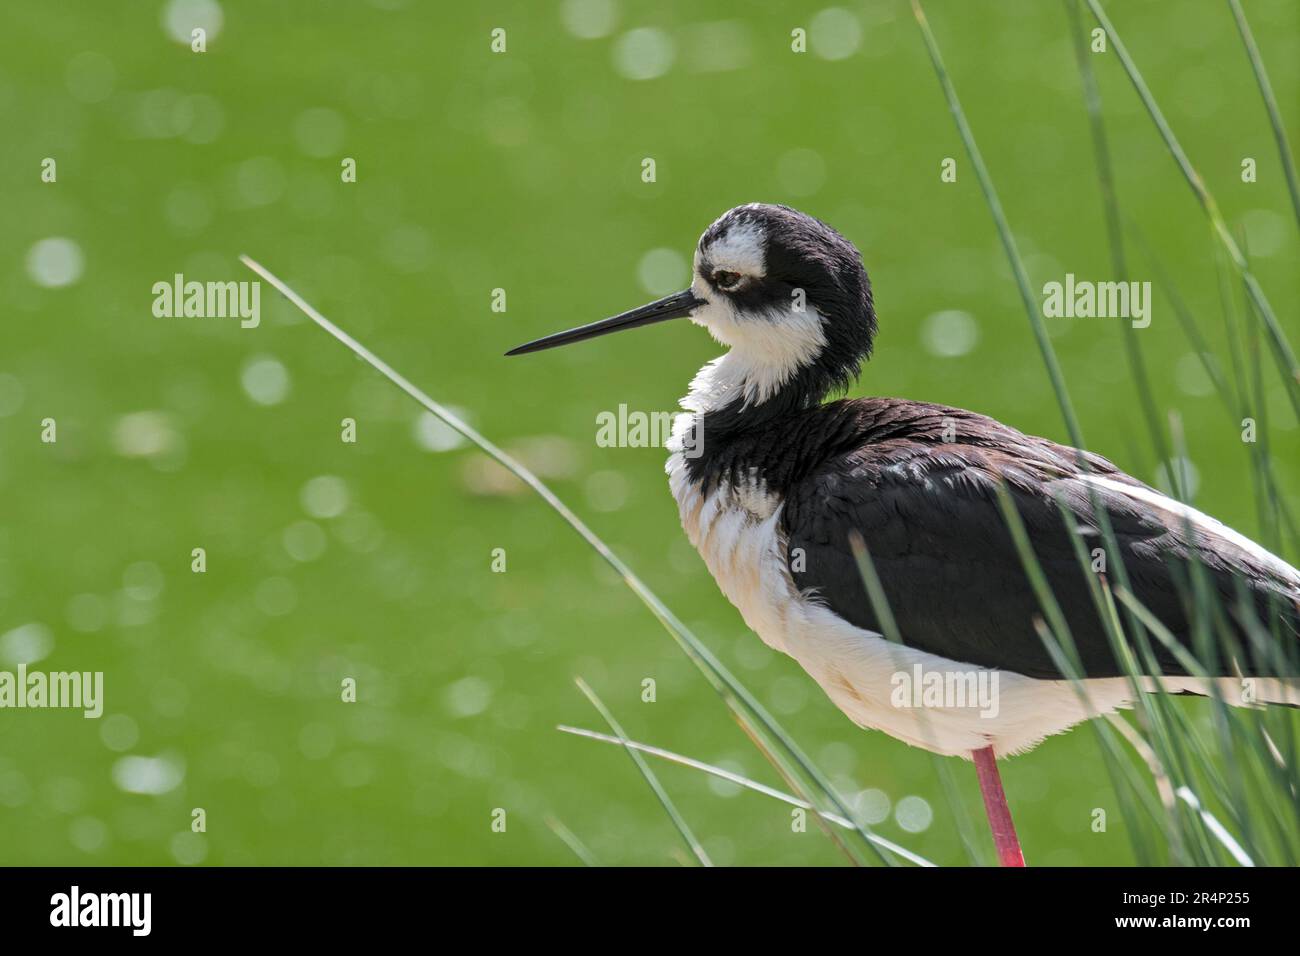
(736, 529)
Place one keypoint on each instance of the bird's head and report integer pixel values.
(786, 292)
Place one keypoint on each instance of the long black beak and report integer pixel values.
(674, 306)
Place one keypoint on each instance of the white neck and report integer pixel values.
(765, 354)
(733, 377)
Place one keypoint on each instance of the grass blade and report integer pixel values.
(1270, 104)
(1283, 353)
(742, 781)
(1114, 225)
(570, 839)
(1215, 827)
(1004, 231)
(889, 625)
(761, 727)
(669, 807)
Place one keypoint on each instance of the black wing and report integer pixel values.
(920, 486)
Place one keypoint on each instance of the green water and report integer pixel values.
(522, 171)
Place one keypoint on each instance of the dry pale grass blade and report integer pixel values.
(741, 781)
(785, 754)
(679, 821)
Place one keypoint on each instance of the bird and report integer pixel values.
(778, 485)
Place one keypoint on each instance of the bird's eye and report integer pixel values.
(726, 280)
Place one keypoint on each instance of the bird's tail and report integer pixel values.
(1240, 691)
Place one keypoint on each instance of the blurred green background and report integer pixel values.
(522, 171)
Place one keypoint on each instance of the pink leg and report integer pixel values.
(995, 804)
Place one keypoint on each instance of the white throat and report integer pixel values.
(735, 377)
(766, 353)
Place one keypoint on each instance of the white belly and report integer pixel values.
(944, 706)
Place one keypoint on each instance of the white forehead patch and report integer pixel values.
(740, 250)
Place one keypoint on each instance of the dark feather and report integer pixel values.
(919, 483)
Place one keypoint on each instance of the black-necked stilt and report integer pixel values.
(777, 480)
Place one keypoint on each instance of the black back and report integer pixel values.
(919, 483)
